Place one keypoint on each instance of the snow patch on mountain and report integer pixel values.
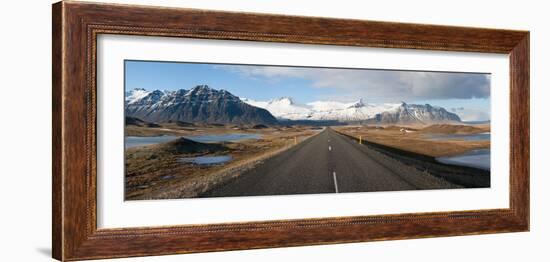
(135, 95)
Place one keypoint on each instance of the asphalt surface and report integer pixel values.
(326, 163)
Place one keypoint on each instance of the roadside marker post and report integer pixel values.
(360, 140)
(295, 141)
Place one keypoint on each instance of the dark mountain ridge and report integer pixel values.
(415, 114)
(200, 104)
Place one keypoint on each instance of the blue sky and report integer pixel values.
(466, 94)
(173, 76)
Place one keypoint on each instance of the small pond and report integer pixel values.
(478, 158)
(206, 160)
(135, 141)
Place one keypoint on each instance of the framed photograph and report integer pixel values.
(181, 130)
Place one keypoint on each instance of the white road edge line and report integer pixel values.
(335, 182)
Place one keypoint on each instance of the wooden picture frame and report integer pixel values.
(76, 26)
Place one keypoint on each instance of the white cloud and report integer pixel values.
(471, 114)
(382, 85)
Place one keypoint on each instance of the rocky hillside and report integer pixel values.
(415, 114)
(200, 104)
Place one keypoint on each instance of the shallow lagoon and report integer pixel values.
(135, 141)
(478, 158)
(206, 160)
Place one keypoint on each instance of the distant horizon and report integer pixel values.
(465, 94)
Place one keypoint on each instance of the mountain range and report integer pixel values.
(200, 104)
(359, 111)
(205, 104)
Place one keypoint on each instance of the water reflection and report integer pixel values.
(479, 158)
(206, 160)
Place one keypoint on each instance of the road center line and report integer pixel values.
(329, 148)
(335, 182)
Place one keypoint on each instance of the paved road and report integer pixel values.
(326, 163)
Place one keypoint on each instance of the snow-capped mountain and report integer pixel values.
(204, 104)
(282, 108)
(356, 111)
(200, 104)
(135, 94)
(285, 108)
(415, 114)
